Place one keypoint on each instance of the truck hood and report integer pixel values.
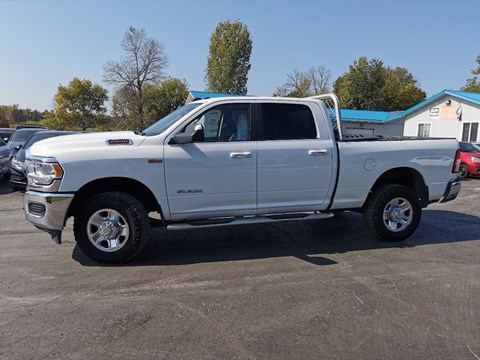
(88, 141)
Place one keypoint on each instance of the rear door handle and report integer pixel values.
(240, 155)
(317, 152)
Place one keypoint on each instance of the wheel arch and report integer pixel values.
(126, 185)
(407, 177)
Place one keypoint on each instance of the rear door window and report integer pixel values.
(288, 122)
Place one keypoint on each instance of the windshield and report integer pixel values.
(22, 135)
(469, 148)
(164, 123)
(37, 137)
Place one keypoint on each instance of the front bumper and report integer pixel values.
(4, 165)
(452, 190)
(18, 178)
(474, 169)
(47, 211)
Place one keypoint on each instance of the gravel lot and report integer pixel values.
(300, 290)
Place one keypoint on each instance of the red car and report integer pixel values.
(470, 157)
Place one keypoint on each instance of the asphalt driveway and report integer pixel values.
(300, 290)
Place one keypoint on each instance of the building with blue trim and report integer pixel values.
(446, 114)
(370, 123)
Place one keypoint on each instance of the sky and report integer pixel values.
(45, 43)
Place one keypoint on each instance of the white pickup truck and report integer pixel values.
(232, 161)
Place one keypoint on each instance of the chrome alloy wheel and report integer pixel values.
(107, 230)
(398, 214)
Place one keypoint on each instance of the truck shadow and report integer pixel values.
(311, 241)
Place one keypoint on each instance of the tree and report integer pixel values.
(473, 84)
(400, 91)
(124, 109)
(320, 79)
(12, 114)
(80, 105)
(315, 81)
(360, 88)
(228, 63)
(159, 100)
(369, 85)
(50, 120)
(298, 85)
(143, 65)
(164, 98)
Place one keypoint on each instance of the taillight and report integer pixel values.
(456, 163)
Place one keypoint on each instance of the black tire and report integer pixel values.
(463, 171)
(114, 212)
(393, 212)
(6, 176)
(16, 187)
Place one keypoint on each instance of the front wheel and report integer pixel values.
(6, 176)
(393, 212)
(113, 227)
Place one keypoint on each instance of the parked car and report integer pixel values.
(470, 156)
(30, 127)
(18, 178)
(5, 134)
(4, 158)
(20, 137)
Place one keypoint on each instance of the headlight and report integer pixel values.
(43, 172)
(18, 165)
(475, 159)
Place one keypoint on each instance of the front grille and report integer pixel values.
(36, 209)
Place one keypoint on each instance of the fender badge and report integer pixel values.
(190, 191)
(120, 142)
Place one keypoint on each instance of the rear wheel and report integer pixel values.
(463, 171)
(393, 212)
(113, 227)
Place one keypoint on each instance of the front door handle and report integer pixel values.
(318, 152)
(240, 155)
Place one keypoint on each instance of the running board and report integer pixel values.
(247, 220)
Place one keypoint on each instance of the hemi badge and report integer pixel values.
(155, 161)
(120, 142)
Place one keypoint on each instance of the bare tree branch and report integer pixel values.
(143, 64)
(302, 84)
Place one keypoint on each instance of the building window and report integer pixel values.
(470, 132)
(424, 129)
